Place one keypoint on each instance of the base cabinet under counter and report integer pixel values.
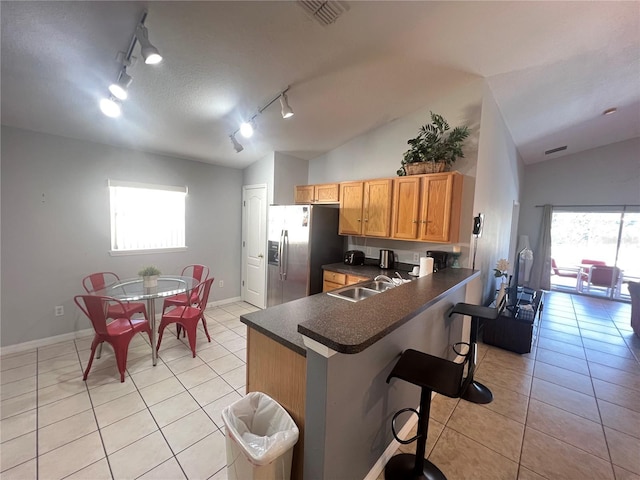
(332, 280)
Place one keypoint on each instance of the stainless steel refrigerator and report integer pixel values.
(301, 239)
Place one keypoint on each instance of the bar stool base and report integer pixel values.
(477, 393)
(402, 467)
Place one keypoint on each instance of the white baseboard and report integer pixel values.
(44, 342)
(223, 302)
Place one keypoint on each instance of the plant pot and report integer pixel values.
(150, 281)
(425, 167)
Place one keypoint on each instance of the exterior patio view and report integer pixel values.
(595, 253)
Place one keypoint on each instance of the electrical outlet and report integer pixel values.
(368, 251)
(59, 311)
(221, 283)
(416, 257)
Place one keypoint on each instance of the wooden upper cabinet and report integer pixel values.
(377, 208)
(406, 208)
(323, 193)
(304, 193)
(327, 193)
(351, 197)
(427, 207)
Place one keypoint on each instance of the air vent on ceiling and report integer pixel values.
(324, 12)
(554, 150)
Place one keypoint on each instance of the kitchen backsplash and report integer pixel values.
(404, 251)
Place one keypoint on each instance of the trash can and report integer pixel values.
(259, 438)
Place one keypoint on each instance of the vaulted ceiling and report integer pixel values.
(553, 68)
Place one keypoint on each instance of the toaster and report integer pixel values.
(354, 257)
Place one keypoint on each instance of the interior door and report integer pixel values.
(254, 244)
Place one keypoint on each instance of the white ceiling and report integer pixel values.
(553, 67)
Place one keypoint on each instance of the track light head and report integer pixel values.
(149, 52)
(246, 129)
(236, 145)
(119, 89)
(110, 107)
(287, 111)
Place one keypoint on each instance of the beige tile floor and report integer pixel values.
(568, 410)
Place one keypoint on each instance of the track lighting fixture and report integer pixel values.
(110, 107)
(236, 145)
(118, 90)
(149, 52)
(287, 111)
(247, 128)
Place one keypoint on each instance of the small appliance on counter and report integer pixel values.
(440, 259)
(354, 257)
(386, 258)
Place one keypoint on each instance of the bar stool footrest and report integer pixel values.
(393, 426)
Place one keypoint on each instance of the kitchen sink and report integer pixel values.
(378, 286)
(355, 293)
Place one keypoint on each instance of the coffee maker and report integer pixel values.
(440, 259)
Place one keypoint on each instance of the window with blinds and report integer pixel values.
(146, 217)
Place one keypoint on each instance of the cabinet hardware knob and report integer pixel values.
(260, 255)
(415, 221)
(359, 220)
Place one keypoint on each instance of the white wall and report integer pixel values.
(498, 184)
(55, 225)
(288, 172)
(259, 172)
(608, 175)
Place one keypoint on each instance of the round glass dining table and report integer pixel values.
(133, 290)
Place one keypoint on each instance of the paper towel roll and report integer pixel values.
(426, 266)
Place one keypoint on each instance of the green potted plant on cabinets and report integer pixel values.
(435, 149)
(149, 276)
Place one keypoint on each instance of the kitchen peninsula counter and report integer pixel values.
(348, 327)
(326, 360)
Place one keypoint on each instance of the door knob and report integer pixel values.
(260, 255)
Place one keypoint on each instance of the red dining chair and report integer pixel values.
(188, 316)
(200, 273)
(118, 333)
(99, 280)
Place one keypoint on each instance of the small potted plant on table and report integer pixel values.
(149, 276)
(435, 148)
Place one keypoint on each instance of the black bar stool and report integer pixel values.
(432, 374)
(473, 391)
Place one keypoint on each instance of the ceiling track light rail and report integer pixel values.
(112, 106)
(246, 128)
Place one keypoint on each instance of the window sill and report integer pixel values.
(121, 253)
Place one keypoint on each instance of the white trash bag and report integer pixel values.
(260, 436)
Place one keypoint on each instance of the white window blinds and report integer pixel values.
(146, 217)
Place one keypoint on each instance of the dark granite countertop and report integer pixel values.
(348, 327)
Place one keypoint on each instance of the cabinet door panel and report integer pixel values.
(327, 193)
(377, 208)
(436, 207)
(351, 196)
(304, 194)
(406, 208)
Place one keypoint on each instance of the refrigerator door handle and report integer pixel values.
(280, 251)
(286, 255)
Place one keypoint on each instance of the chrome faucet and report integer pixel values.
(385, 278)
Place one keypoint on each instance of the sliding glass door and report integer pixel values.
(595, 252)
